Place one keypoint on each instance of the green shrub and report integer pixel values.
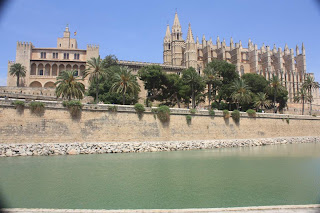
(113, 108)
(226, 114)
(188, 118)
(235, 114)
(215, 105)
(163, 113)
(251, 113)
(288, 120)
(192, 111)
(18, 103)
(139, 108)
(212, 113)
(221, 106)
(36, 107)
(74, 106)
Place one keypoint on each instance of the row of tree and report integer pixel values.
(220, 85)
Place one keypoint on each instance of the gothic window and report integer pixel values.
(71, 45)
(76, 56)
(177, 36)
(60, 45)
(55, 55)
(66, 56)
(169, 46)
(40, 72)
(76, 73)
(43, 55)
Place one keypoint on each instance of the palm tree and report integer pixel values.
(302, 96)
(276, 86)
(310, 84)
(261, 100)
(17, 70)
(241, 92)
(191, 77)
(211, 75)
(125, 82)
(69, 86)
(95, 70)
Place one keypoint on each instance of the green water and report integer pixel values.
(270, 175)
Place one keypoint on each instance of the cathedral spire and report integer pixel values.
(176, 22)
(176, 29)
(168, 34)
(189, 35)
(303, 50)
(197, 40)
(297, 50)
(218, 42)
(204, 42)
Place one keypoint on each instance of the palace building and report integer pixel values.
(43, 65)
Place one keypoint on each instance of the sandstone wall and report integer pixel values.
(97, 124)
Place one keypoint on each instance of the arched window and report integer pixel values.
(177, 36)
(169, 46)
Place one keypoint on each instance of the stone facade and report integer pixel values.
(290, 67)
(43, 65)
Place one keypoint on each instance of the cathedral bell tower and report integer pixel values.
(177, 42)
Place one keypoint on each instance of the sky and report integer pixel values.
(134, 30)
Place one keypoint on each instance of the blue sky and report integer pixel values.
(134, 30)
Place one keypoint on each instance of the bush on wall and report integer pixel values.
(163, 113)
(73, 106)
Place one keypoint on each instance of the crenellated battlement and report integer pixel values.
(24, 44)
(92, 47)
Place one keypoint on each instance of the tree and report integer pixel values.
(173, 90)
(228, 75)
(154, 79)
(310, 84)
(96, 69)
(196, 83)
(211, 77)
(241, 92)
(125, 82)
(261, 100)
(256, 82)
(275, 88)
(69, 86)
(302, 96)
(17, 70)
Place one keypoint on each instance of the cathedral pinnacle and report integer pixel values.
(176, 23)
(197, 40)
(168, 34)
(297, 50)
(189, 35)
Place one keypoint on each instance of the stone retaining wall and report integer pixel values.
(45, 149)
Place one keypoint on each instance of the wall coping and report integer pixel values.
(287, 208)
(173, 111)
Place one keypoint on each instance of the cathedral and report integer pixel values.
(290, 67)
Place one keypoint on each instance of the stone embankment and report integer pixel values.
(45, 149)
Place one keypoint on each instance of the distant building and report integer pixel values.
(43, 65)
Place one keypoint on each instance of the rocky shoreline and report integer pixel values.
(46, 149)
